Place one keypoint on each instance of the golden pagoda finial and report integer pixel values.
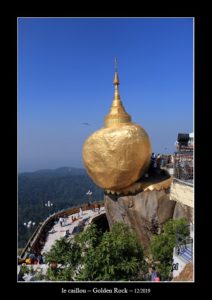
(116, 80)
(117, 115)
(116, 65)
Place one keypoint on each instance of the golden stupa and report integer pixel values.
(117, 155)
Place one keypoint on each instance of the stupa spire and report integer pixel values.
(116, 81)
(117, 114)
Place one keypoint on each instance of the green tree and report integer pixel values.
(117, 256)
(91, 255)
(66, 254)
(162, 245)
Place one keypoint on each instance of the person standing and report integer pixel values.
(61, 221)
(158, 161)
(154, 274)
(153, 164)
(81, 213)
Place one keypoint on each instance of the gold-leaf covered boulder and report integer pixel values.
(117, 155)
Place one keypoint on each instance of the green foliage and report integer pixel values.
(162, 245)
(118, 256)
(53, 274)
(64, 251)
(39, 276)
(89, 238)
(59, 251)
(176, 226)
(91, 255)
(67, 254)
(60, 274)
(24, 270)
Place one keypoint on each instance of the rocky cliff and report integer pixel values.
(145, 212)
(183, 211)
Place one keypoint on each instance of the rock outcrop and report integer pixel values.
(183, 211)
(145, 212)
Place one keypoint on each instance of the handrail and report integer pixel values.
(30, 239)
(34, 239)
(183, 182)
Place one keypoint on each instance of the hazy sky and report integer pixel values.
(65, 79)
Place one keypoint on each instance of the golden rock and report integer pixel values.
(117, 155)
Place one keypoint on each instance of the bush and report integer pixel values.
(91, 255)
(162, 245)
(118, 256)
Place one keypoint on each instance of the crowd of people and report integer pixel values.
(37, 258)
(63, 220)
(94, 207)
(161, 160)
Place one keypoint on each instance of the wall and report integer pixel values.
(182, 192)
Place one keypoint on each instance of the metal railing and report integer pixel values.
(28, 244)
(41, 232)
(183, 182)
(183, 170)
(182, 241)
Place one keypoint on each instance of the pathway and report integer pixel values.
(58, 231)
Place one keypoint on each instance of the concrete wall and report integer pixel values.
(183, 193)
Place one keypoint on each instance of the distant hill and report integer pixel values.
(62, 171)
(65, 187)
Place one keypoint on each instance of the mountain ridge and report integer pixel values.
(57, 171)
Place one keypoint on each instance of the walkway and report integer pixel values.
(57, 231)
